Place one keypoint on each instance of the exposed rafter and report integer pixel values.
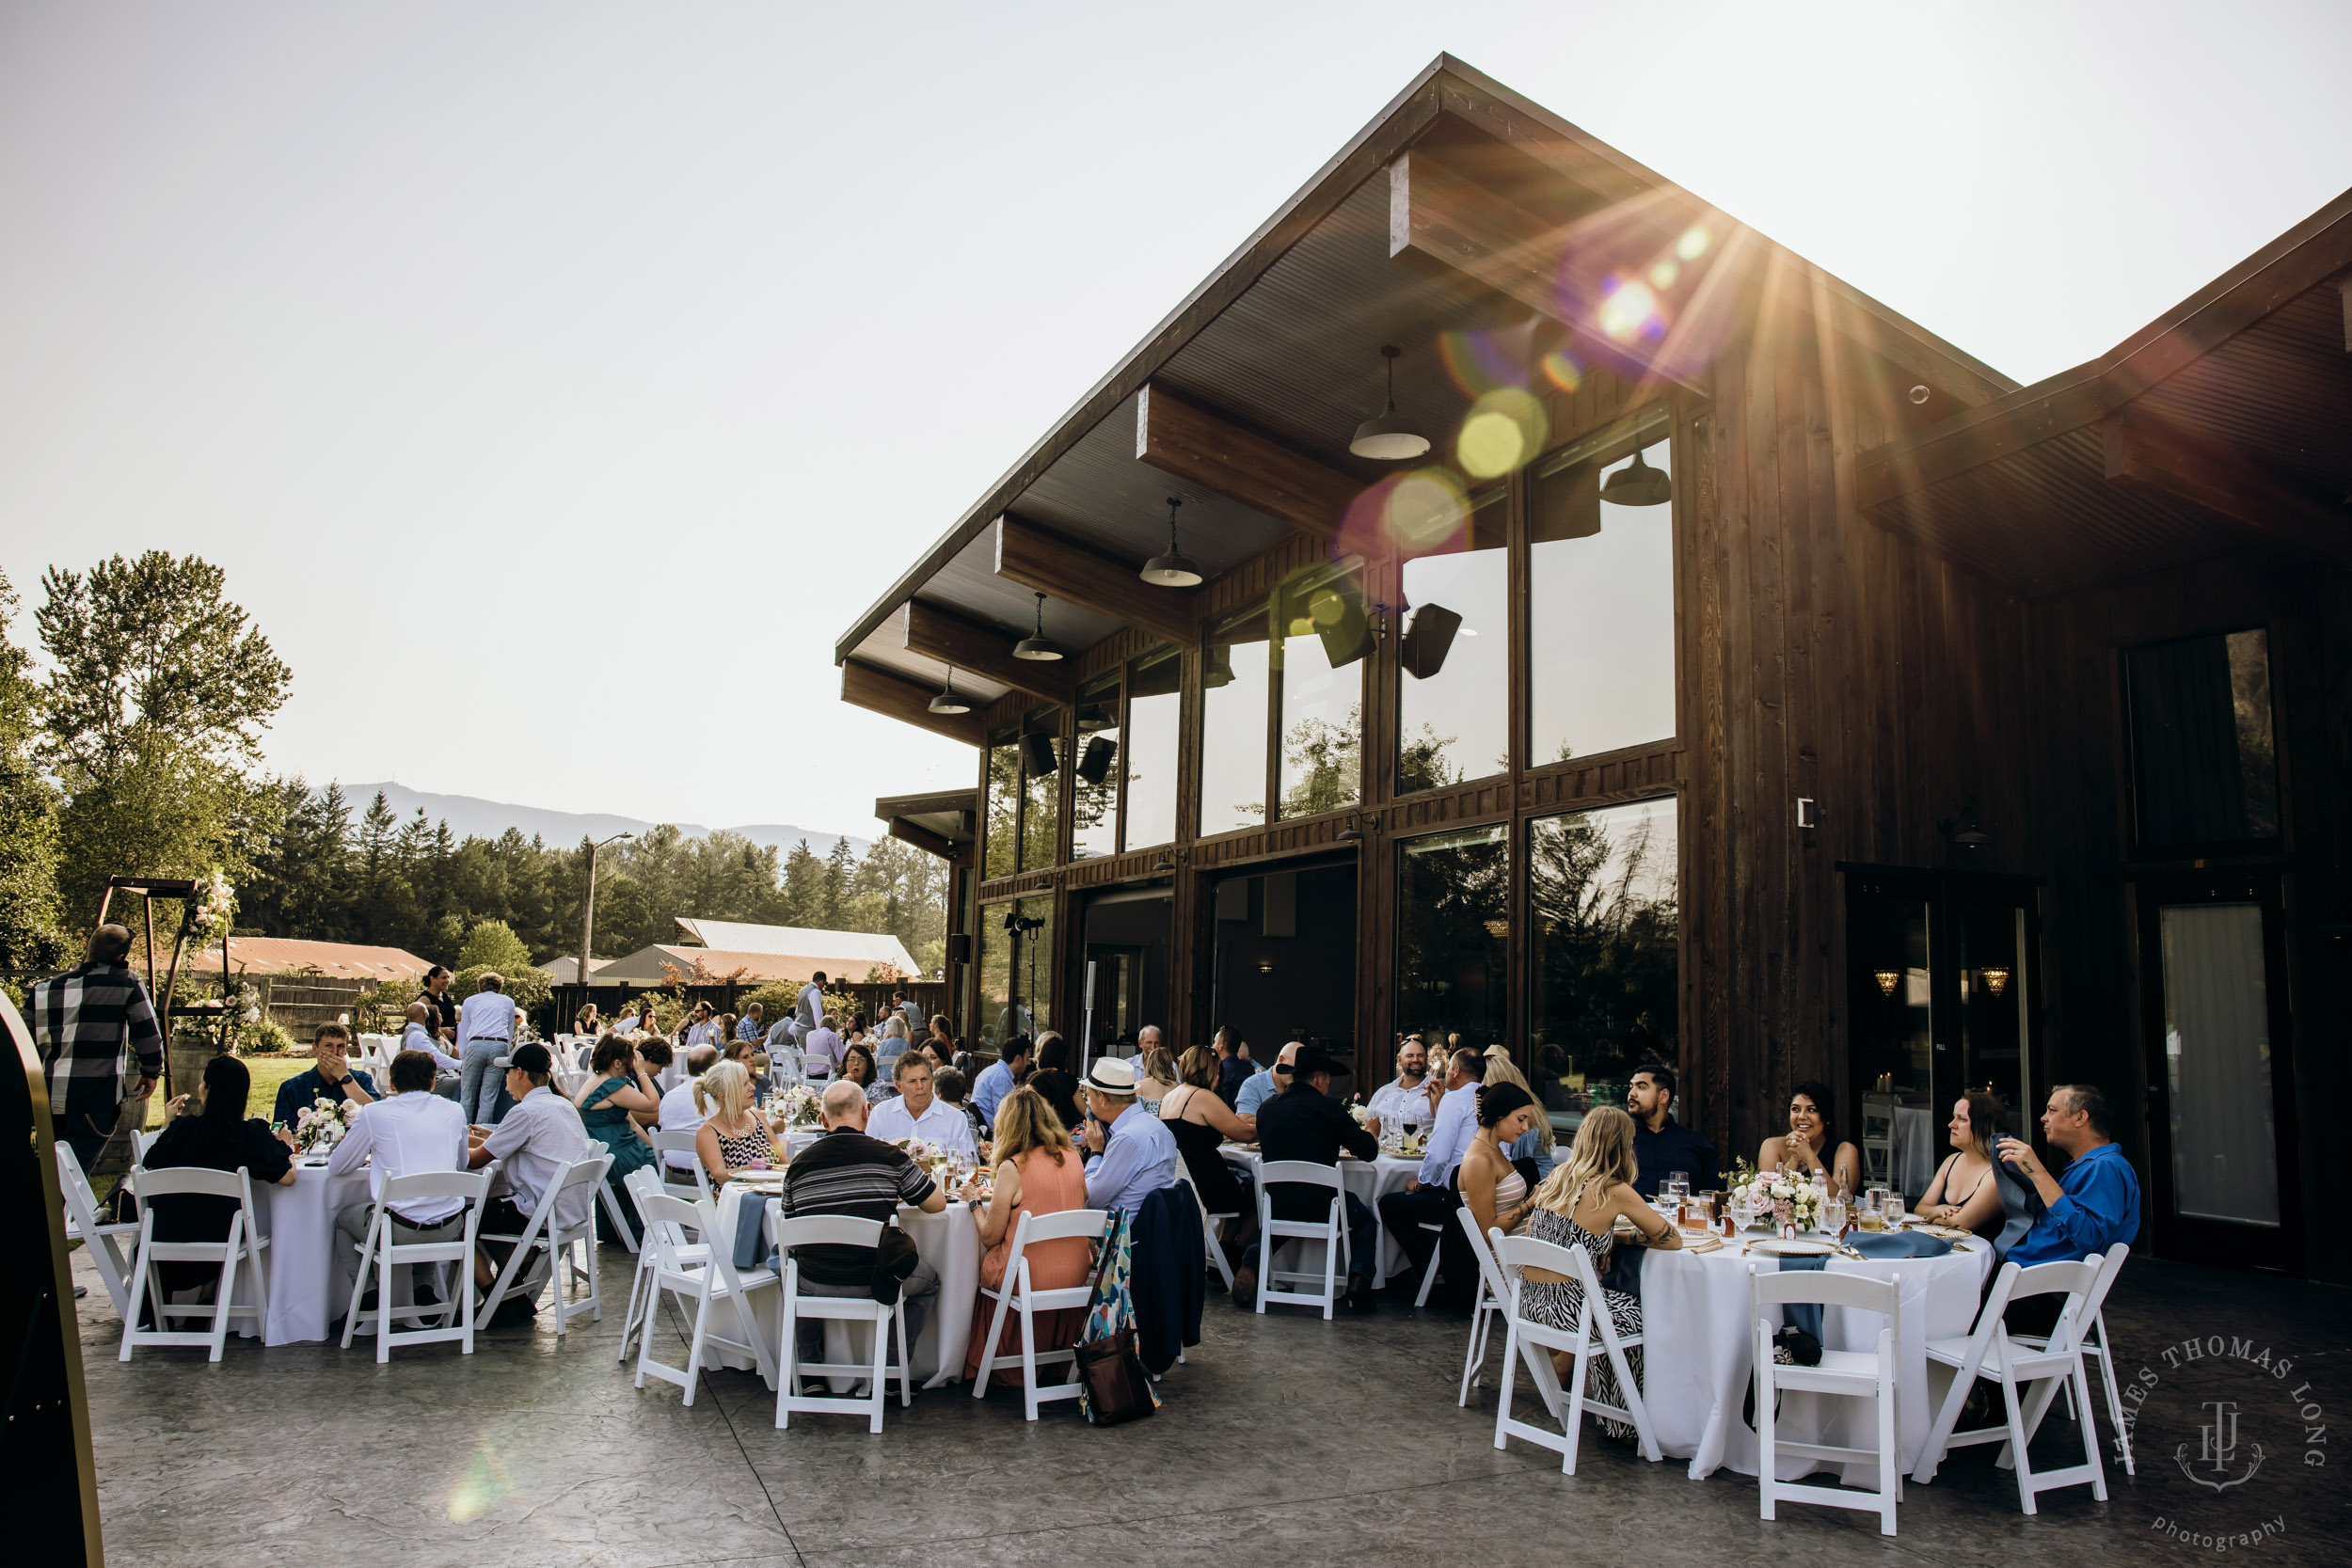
(1181, 438)
(985, 650)
(895, 697)
(1043, 562)
(2144, 451)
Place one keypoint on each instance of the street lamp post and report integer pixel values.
(588, 906)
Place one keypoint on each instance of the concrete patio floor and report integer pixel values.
(1285, 1440)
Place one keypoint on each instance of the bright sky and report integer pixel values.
(578, 372)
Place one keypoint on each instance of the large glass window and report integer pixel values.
(2205, 769)
(1016, 969)
(1094, 787)
(1603, 969)
(1321, 637)
(1454, 682)
(1600, 599)
(1155, 704)
(1235, 687)
(1002, 851)
(1453, 916)
(1041, 787)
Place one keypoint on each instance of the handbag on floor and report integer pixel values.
(1113, 1387)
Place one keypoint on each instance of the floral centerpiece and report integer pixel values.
(796, 1107)
(321, 1125)
(1786, 1199)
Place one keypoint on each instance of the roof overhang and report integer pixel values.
(945, 822)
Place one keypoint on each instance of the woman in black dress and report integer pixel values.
(217, 1137)
(1201, 1121)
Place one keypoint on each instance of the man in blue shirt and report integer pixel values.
(1131, 1155)
(1429, 1198)
(1000, 1077)
(2088, 1210)
(750, 1027)
(331, 1076)
(1662, 1146)
(1266, 1083)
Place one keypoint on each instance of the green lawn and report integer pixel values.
(268, 1072)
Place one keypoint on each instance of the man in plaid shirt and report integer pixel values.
(88, 1024)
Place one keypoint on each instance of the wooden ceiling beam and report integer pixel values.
(1187, 441)
(925, 840)
(2145, 453)
(987, 651)
(1046, 562)
(895, 697)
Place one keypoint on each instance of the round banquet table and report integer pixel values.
(307, 1291)
(1369, 1180)
(1698, 1358)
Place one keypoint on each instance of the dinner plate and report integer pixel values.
(1803, 1246)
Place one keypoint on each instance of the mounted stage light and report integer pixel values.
(1037, 647)
(1388, 436)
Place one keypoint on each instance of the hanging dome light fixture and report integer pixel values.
(949, 700)
(1173, 569)
(1388, 436)
(1638, 484)
(1037, 647)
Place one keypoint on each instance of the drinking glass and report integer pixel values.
(1894, 1210)
(1679, 1185)
(1833, 1216)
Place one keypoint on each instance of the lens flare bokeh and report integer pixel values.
(1648, 299)
(1503, 431)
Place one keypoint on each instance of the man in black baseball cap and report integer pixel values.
(1304, 1122)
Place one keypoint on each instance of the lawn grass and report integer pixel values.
(268, 1072)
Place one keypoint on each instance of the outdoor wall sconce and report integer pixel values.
(1888, 979)
(1266, 966)
(1163, 864)
(1037, 647)
(1638, 484)
(1388, 436)
(949, 700)
(1173, 569)
(1995, 978)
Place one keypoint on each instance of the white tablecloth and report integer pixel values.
(307, 1291)
(1370, 1181)
(1699, 1357)
(1915, 1154)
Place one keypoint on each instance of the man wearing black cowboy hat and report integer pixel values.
(1304, 1122)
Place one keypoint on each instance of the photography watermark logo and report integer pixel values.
(2241, 1405)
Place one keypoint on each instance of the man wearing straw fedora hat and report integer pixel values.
(1131, 1156)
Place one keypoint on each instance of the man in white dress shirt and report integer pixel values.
(411, 1132)
(679, 1114)
(1429, 1198)
(1411, 1096)
(917, 1113)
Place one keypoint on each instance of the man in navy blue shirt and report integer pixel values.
(2086, 1209)
(1662, 1146)
(331, 1076)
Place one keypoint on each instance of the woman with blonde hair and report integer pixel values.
(734, 1138)
(1038, 1172)
(1155, 1077)
(1578, 1205)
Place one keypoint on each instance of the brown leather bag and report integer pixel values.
(1117, 1390)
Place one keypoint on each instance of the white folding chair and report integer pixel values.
(558, 1241)
(1493, 1293)
(238, 1253)
(1331, 1231)
(1847, 1373)
(699, 1277)
(1429, 1274)
(666, 1144)
(1878, 1137)
(836, 1231)
(614, 1210)
(1017, 1293)
(386, 1252)
(1530, 1343)
(683, 1242)
(2092, 1334)
(104, 1242)
(140, 1139)
(1208, 1227)
(1989, 1352)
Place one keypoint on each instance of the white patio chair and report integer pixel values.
(1436, 1250)
(1530, 1343)
(238, 1254)
(2091, 1324)
(1847, 1373)
(1331, 1231)
(1494, 1294)
(1018, 1294)
(140, 1140)
(622, 1215)
(1208, 1227)
(701, 1278)
(102, 1240)
(836, 1231)
(385, 1252)
(1878, 1137)
(683, 1240)
(1989, 1352)
(557, 1241)
(666, 1144)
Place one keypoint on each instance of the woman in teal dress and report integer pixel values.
(615, 1105)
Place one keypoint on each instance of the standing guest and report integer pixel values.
(88, 1024)
(1269, 1080)
(1037, 1173)
(1155, 1072)
(218, 1137)
(1131, 1156)
(414, 1133)
(1411, 1096)
(1200, 1121)
(918, 1113)
(531, 1145)
(954, 1092)
(734, 1136)
(1053, 1079)
(584, 1021)
(616, 1105)
(1493, 1187)
(846, 1172)
(679, 1111)
(1579, 1205)
(330, 1076)
(1662, 1145)
(2088, 1209)
(1808, 1144)
(436, 996)
(1428, 1197)
(753, 1024)
(1304, 1122)
(1232, 1066)
(811, 1008)
(822, 1043)
(998, 1079)
(1966, 1190)
(486, 1029)
(904, 1006)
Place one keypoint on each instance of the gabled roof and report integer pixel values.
(342, 960)
(845, 948)
(652, 966)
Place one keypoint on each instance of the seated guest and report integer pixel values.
(894, 1043)
(531, 1145)
(1411, 1096)
(846, 1172)
(1054, 1079)
(755, 1064)
(997, 1080)
(217, 1137)
(1037, 1173)
(823, 1044)
(1808, 1144)
(419, 1035)
(1493, 1187)
(1966, 1190)
(857, 1067)
(916, 1112)
(2095, 1205)
(1200, 1121)
(330, 1076)
(734, 1136)
(1428, 1197)
(414, 1133)
(680, 1112)
(942, 1039)
(585, 1022)
(1232, 1064)
(1267, 1082)
(1579, 1205)
(1532, 1150)
(954, 1091)
(751, 1025)
(1155, 1075)
(1131, 1156)
(1662, 1145)
(701, 1027)
(616, 1103)
(654, 1054)
(1304, 1122)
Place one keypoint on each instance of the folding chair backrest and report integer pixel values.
(578, 1174)
(827, 1230)
(187, 1181)
(668, 1221)
(1304, 1173)
(671, 1143)
(1857, 1292)
(472, 1185)
(81, 1203)
(1071, 1224)
(2110, 1265)
(1514, 1254)
(140, 1138)
(2061, 1278)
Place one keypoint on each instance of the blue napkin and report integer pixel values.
(1805, 1314)
(1899, 1244)
(751, 1231)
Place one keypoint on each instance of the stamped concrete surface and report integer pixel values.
(1284, 1440)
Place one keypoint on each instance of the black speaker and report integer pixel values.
(1428, 640)
(1037, 755)
(1349, 638)
(1094, 763)
(959, 947)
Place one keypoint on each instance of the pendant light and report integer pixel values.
(1638, 484)
(1175, 569)
(1388, 436)
(949, 700)
(1037, 647)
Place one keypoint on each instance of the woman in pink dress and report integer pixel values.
(1038, 1172)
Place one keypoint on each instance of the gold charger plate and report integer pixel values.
(1803, 1246)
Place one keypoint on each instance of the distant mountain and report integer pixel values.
(466, 816)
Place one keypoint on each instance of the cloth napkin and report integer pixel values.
(1899, 1244)
(751, 1229)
